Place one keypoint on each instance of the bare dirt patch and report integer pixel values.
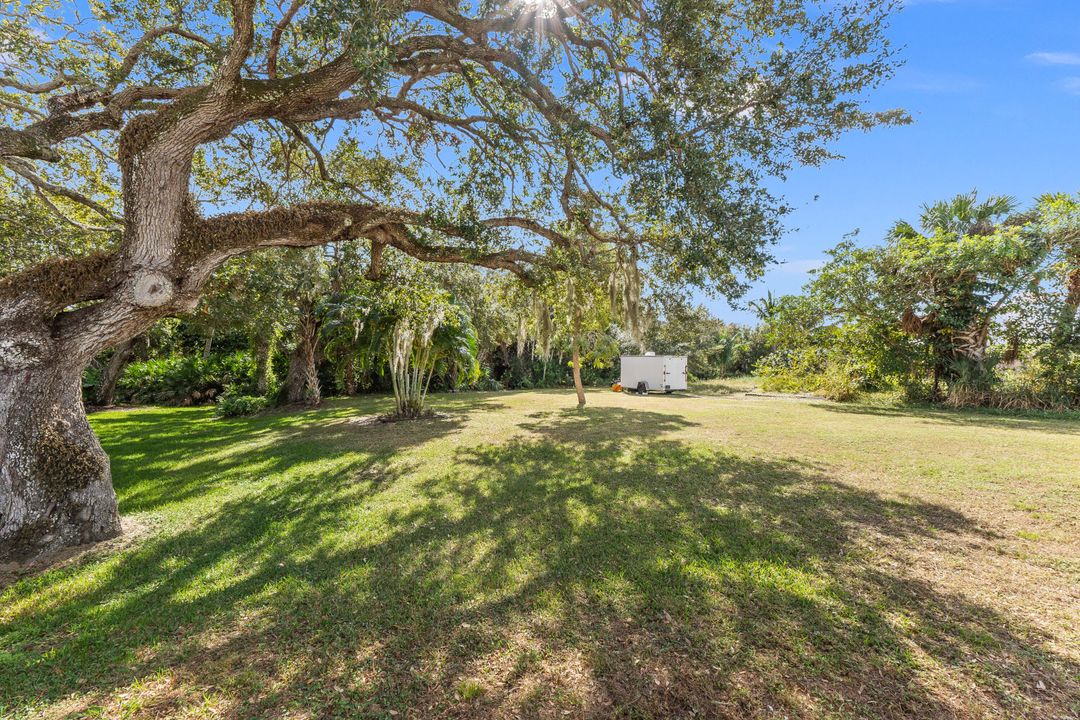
(134, 531)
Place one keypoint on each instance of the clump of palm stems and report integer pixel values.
(411, 362)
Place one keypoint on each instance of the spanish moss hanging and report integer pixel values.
(624, 293)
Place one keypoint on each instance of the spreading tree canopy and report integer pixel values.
(519, 136)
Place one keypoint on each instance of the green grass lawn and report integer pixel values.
(652, 557)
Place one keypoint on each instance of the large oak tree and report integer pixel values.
(518, 136)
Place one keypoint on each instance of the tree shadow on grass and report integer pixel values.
(591, 567)
(161, 458)
(603, 427)
(1053, 423)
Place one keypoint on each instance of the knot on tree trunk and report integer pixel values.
(22, 347)
(152, 289)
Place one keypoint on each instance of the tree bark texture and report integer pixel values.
(55, 483)
(579, 388)
(302, 381)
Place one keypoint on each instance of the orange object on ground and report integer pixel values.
(617, 387)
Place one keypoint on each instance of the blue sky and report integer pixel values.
(993, 87)
(994, 90)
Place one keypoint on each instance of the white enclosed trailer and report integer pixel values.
(660, 373)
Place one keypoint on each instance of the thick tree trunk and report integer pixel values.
(55, 484)
(350, 376)
(113, 370)
(264, 350)
(302, 382)
(208, 345)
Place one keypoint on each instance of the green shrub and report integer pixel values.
(230, 405)
(841, 382)
(485, 381)
(790, 371)
(1057, 375)
(91, 380)
(917, 390)
(1048, 381)
(773, 380)
(598, 375)
(181, 379)
(808, 371)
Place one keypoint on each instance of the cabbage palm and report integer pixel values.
(958, 216)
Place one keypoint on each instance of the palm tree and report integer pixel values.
(414, 343)
(765, 307)
(722, 354)
(955, 342)
(454, 349)
(960, 216)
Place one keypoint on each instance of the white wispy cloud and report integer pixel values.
(1071, 85)
(1055, 58)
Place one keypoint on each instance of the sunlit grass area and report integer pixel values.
(726, 385)
(653, 557)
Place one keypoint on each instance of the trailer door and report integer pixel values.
(675, 372)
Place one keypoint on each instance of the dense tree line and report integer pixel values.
(977, 305)
(244, 348)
